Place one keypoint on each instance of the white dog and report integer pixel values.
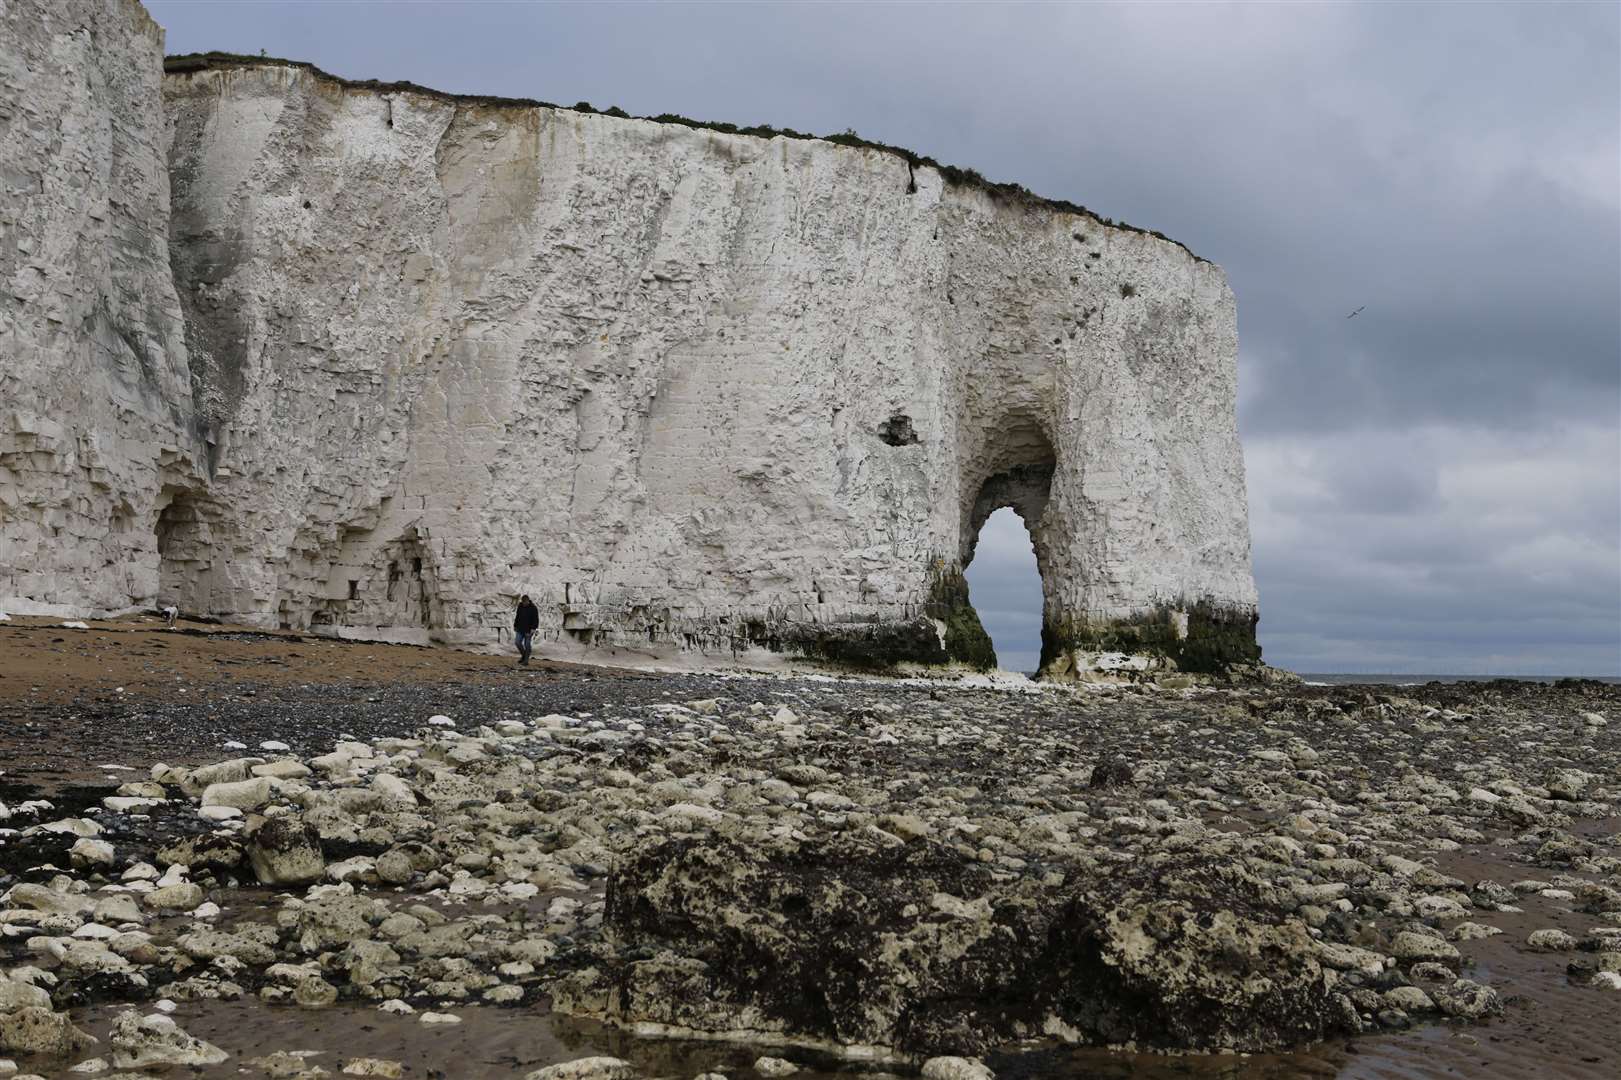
(171, 615)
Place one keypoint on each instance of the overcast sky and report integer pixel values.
(1433, 484)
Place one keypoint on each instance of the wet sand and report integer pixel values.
(43, 662)
(132, 692)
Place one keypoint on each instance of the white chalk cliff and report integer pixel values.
(373, 360)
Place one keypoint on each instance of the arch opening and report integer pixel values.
(1005, 492)
(1005, 582)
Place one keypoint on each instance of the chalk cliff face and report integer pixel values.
(95, 392)
(695, 392)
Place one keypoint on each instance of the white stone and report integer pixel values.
(774, 1066)
(956, 1068)
(181, 897)
(157, 1041)
(88, 852)
(520, 890)
(125, 804)
(1408, 945)
(286, 769)
(95, 931)
(240, 794)
(73, 826)
(438, 1018)
(1551, 940)
(355, 867)
(18, 995)
(590, 1068)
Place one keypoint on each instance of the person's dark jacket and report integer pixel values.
(528, 620)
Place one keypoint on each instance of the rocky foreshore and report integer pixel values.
(880, 872)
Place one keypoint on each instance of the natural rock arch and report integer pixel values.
(1015, 471)
(696, 390)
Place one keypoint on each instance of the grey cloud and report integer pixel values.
(1006, 591)
(1369, 484)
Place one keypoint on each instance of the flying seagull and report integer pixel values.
(1357, 312)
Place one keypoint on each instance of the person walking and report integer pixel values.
(524, 626)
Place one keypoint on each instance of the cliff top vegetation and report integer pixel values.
(1015, 194)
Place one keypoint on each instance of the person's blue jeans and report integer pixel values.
(524, 641)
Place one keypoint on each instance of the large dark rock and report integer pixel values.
(217, 854)
(286, 851)
(912, 948)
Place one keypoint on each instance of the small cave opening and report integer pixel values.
(898, 431)
(409, 600)
(185, 542)
(380, 583)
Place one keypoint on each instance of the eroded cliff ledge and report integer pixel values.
(695, 391)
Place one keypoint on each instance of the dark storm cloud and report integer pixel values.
(1454, 168)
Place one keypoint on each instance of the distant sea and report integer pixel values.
(1342, 679)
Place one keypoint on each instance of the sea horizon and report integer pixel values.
(1345, 678)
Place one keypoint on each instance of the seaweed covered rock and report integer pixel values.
(912, 947)
(286, 851)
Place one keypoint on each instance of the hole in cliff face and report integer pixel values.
(898, 431)
(368, 584)
(405, 601)
(185, 540)
(1009, 485)
(1006, 586)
